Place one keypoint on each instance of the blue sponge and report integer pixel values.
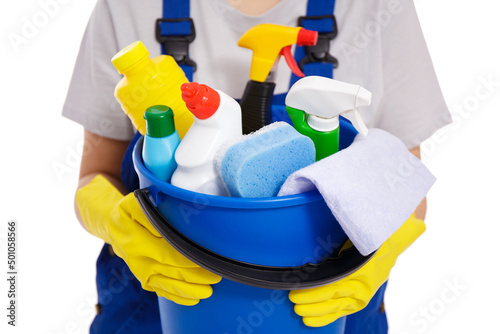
(259, 163)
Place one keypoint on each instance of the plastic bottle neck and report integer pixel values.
(323, 124)
(142, 65)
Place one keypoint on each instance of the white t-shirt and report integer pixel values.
(379, 46)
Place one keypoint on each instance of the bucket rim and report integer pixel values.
(158, 186)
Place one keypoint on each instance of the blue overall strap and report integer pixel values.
(317, 60)
(175, 31)
(313, 60)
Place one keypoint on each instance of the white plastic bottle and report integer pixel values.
(217, 118)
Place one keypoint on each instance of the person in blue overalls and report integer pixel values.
(379, 45)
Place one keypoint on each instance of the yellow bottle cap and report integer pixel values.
(129, 56)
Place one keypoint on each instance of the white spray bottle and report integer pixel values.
(314, 104)
(217, 118)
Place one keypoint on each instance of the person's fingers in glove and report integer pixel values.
(119, 221)
(326, 307)
(329, 313)
(177, 299)
(323, 305)
(184, 293)
(195, 275)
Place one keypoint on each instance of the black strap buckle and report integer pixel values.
(177, 46)
(321, 51)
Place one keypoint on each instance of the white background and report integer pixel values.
(446, 283)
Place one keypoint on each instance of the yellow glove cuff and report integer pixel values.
(97, 203)
(406, 235)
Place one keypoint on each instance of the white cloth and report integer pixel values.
(372, 187)
(380, 46)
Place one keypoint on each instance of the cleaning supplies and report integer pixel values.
(314, 105)
(160, 142)
(258, 164)
(268, 42)
(275, 232)
(371, 187)
(217, 118)
(150, 82)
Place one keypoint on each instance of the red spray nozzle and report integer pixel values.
(304, 37)
(307, 37)
(202, 100)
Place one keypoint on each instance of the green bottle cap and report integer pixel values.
(159, 121)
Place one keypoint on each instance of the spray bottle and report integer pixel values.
(160, 142)
(150, 82)
(314, 105)
(268, 43)
(217, 118)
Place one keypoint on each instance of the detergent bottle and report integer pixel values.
(314, 104)
(160, 142)
(217, 118)
(148, 82)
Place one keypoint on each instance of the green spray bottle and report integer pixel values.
(314, 104)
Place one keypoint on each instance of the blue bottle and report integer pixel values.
(160, 142)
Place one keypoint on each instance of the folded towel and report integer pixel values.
(372, 187)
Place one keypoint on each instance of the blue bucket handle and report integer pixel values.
(309, 275)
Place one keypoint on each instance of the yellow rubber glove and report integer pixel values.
(323, 305)
(120, 222)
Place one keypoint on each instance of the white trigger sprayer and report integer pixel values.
(314, 104)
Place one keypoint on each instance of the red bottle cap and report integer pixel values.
(307, 37)
(202, 100)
